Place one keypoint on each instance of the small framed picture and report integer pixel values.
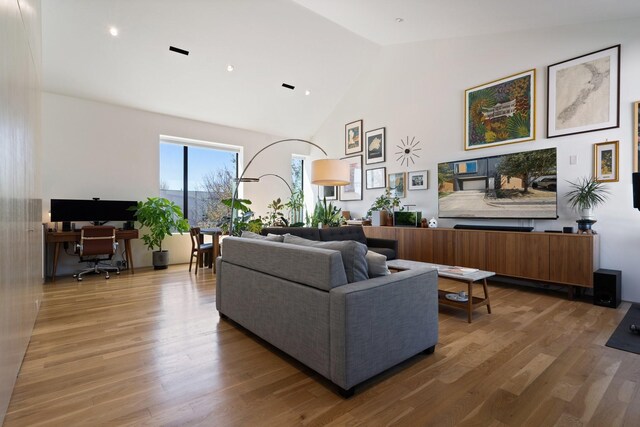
(330, 192)
(353, 190)
(353, 137)
(376, 178)
(396, 183)
(375, 146)
(418, 180)
(605, 156)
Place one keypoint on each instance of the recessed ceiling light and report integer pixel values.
(229, 68)
(307, 92)
(113, 31)
(399, 20)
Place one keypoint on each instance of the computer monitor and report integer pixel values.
(66, 210)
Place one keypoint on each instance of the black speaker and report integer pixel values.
(607, 287)
(128, 225)
(636, 190)
(66, 225)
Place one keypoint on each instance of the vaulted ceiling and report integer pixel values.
(320, 46)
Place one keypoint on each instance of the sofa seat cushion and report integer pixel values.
(353, 255)
(389, 253)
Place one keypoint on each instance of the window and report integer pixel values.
(297, 173)
(196, 178)
(297, 186)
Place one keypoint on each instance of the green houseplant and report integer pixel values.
(242, 220)
(326, 214)
(385, 204)
(160, 216)
(585, 195)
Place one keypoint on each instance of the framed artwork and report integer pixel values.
(376, 178)
(330, 192)
(418, 180)
(396, 184)
(583, 93)
(353, 190)
(501, 112)
(605, 161)
(636, 134)
(353, 137)
(375, 146)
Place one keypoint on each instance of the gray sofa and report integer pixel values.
(297, 298)
(386, 247)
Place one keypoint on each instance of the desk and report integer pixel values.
(215, 232)
(58, 237)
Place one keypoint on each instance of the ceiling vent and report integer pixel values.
(178, 50)
(288, 86)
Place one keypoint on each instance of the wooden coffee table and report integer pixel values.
(478, 276)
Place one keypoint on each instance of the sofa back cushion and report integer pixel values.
(352, 253)
(271, 237)
(316, 267)
(350, 232)
(311, 233)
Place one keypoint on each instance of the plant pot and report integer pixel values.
(587, 213)
(160, 260)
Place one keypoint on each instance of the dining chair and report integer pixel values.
(199, 249)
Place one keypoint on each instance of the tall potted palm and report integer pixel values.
(585, 195)
(161, 217)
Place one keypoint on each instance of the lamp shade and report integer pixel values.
(330, 172)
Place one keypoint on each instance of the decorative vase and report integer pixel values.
(160, 260)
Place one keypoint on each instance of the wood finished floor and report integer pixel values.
(150, 349)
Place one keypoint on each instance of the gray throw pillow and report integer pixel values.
(270, 237)
(377, 264)
(353, 255)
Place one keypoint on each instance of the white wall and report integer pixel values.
(93, 149)
(417, 89)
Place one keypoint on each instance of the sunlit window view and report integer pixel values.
(208, 180)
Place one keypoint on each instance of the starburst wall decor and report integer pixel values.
(408, 151)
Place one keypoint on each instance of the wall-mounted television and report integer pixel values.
(92, 210)
(519, 185)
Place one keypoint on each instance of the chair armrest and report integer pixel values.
(373, 242)
(377, 323)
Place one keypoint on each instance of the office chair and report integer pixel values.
(97, 243)
(199, 249)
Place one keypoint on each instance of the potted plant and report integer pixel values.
(585, 195)
(385, 204)
(161, 217)
(242, 220)
(326, 214)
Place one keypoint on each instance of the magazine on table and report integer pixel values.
(462, 271)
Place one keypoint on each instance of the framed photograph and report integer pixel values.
(418, 180)
(353, 190)
(375, 146)
(353, 137)
(396, 183)
(605, 161)
(330, 192)
(376, 178)
(583, 93)
(636, 134)
(501, 112)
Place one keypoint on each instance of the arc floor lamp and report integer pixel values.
(327, 172)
